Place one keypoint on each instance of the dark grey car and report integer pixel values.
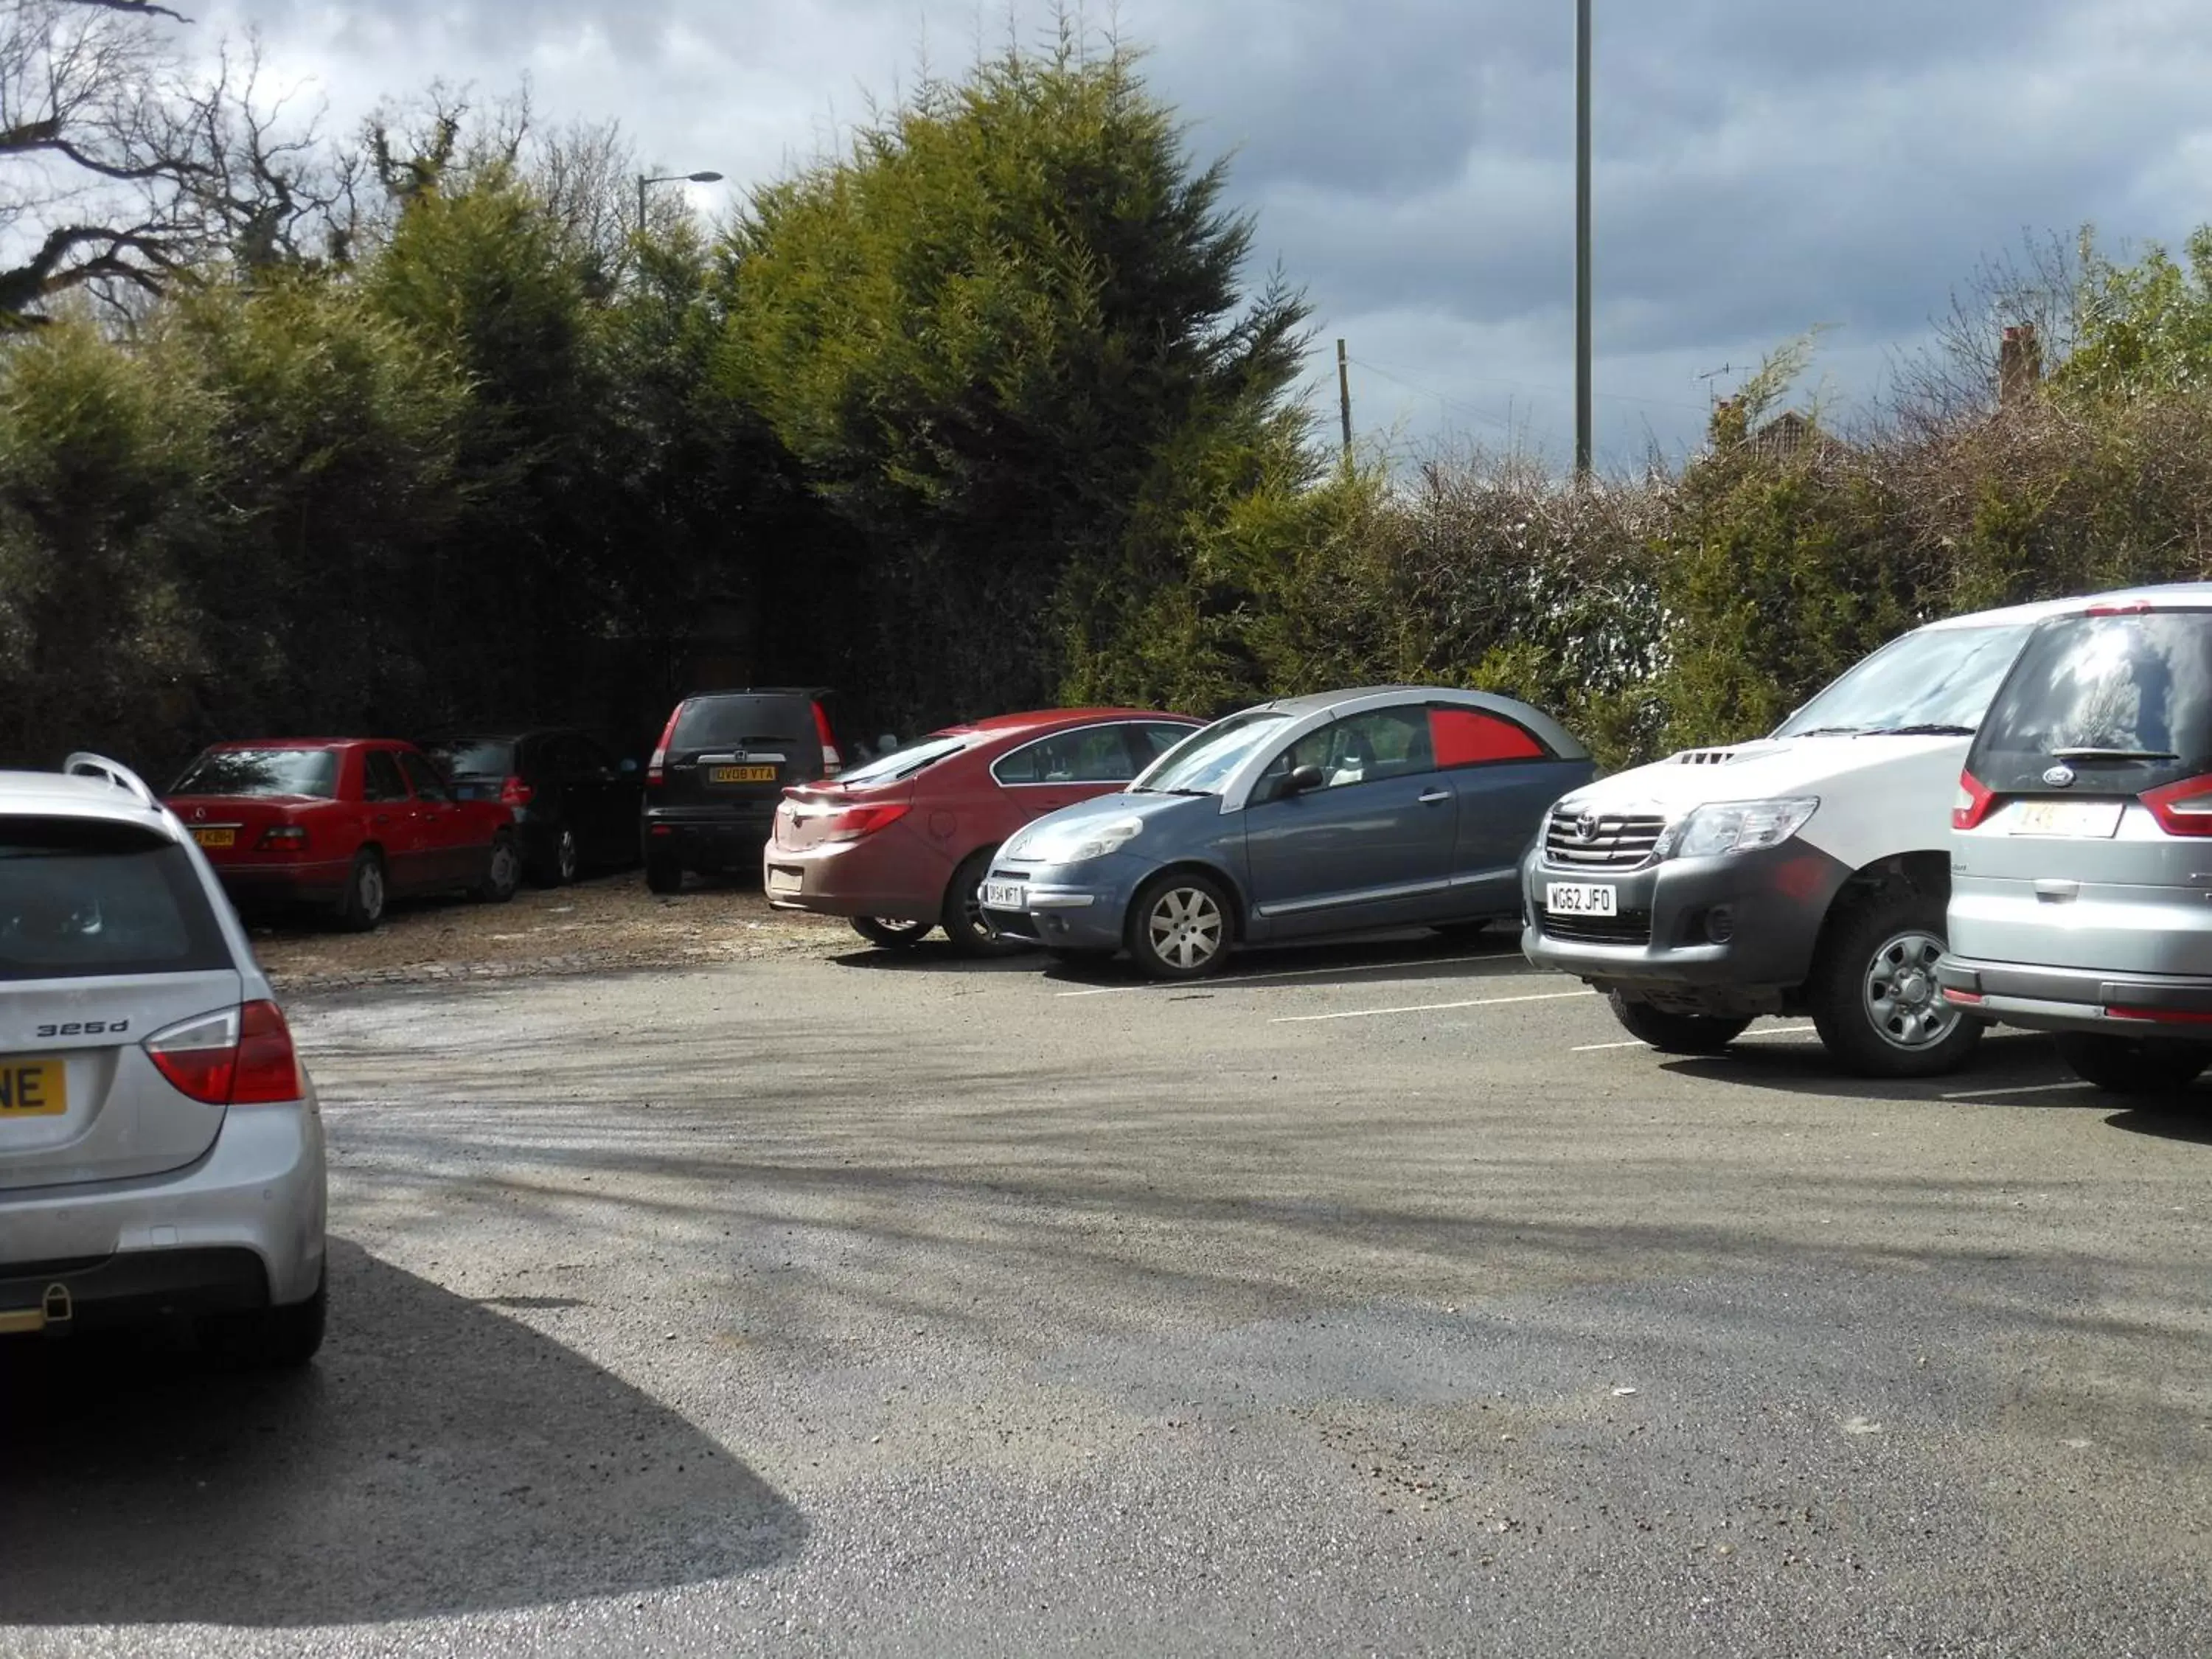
(1339, 812)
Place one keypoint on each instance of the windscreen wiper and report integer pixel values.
(1831, 731)
(2115, 756)
(1931, 729)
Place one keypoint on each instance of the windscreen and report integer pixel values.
(80, 898)
(2124, 703)
(915, 757)
(1939, 680)
(472, 757)
(1203, 763)
(312, 772)
(745, 723)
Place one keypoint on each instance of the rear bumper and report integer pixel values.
(287, 883)
(731, 839)
(259, 1192)
(891, 873)
(127, 1289)
(2080, 998)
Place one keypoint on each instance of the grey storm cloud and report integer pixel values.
(1762, 166)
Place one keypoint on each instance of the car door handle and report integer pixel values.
(2058, 892)
(1436, 797)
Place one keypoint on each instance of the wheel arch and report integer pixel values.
(1228, 885)
(1920, 873)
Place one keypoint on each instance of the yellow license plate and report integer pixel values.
(33, 1088)
(743, 774)
(215, 837)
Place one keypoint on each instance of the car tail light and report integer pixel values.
(242, 1056)
(655, 769)
(832, 762)
(513, 792)
(852, 822)
(1972, 805)
(2184, 808)
(283, 838)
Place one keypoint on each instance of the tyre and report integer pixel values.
(503, 873)
(362, 907)
(561, 862)
(891, 933)
(1179, 927)
(1874, 997)
(963, 918)
(272, 1339)
(663, 874)
(1676, 1034)
(2151, 1072)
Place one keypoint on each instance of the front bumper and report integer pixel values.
(2152, 1005)
(257, 1195)
(1732, 934)
(1070, 907)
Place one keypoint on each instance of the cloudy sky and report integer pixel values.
(1763, 166)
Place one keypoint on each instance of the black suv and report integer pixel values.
(575, 804)
(721, 765)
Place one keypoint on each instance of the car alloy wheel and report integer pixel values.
(1903, 1004)
(565, 859)
(1185, 928)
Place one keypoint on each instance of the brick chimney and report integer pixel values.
(2020, 364)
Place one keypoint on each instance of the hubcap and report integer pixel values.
(1185, 928)
(1903, 1001)
(372, 890)
(502, 864)
(567, 855)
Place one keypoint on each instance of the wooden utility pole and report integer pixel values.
(1343, 395)
(1582, 296)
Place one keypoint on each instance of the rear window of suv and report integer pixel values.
(2123, 701)
(743, 722)
(84, 898)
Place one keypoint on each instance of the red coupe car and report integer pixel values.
(344, 823)
(901, 844)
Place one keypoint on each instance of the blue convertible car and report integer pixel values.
(1347, 810)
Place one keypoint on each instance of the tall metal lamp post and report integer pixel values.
(644, 180)
(1582, 296)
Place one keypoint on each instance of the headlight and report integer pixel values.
(1736, 826)
(1074, 843)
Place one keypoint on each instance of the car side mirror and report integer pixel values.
(629, 767)
(1304, 780)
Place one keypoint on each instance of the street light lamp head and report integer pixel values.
(704, 178)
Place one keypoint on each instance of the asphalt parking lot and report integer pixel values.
(1374, 1299)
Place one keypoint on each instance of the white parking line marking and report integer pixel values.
(1605, 1047)
(1426, 1008)
(2028, 1089)
(1294, 973)
(1783, 1032)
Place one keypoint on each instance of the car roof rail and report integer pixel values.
(85, 765)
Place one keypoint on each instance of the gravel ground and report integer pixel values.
(1380, 1300)
(593, 927)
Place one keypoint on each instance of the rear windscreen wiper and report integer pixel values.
(2114, 755)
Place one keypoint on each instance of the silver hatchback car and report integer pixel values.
(160, 1146)
(2082, 843)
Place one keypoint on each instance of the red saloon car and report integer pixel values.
(344, 823)
(900, 845)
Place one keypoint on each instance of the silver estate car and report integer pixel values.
(2082, 843)
(161, 1147)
